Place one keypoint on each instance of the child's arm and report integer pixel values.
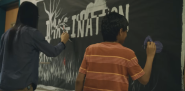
(135, 70)
(147, 69)
(151, 49)
(79, 82)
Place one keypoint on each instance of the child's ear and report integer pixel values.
(121, 31)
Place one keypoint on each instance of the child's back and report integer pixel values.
(107, 66)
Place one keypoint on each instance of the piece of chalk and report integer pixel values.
(159, 45)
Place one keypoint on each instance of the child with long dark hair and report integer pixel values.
(19, 51)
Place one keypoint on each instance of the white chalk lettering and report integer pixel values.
(114, 9)
(89, 27)
(127, 14)
(97, 25)
(73, 35)
(80, 27)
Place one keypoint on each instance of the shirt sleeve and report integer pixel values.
(134, 69)
(83, 67)
(42, 45)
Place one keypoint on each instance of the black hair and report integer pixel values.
(111, 25)
(27, 16)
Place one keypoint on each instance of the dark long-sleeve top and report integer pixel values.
(19, 68)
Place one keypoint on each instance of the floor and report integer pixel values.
(41, 90)
(49, 88)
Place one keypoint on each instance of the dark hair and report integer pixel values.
(111, 25)
(27, 16)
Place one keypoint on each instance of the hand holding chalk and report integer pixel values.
(64, 30)
(151, 49)
(159, 45)
(64, 37)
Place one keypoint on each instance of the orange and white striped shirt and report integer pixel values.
(107, 66)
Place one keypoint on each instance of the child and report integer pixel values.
(107, 65)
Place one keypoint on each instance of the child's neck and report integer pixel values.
(114, 42)
(119, 42)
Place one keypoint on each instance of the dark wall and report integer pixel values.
(6, 3)
(162, 20)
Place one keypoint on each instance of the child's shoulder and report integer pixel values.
(128, 49)
(94, 45)
(128, 53)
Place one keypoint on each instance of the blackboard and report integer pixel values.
(160, 19)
